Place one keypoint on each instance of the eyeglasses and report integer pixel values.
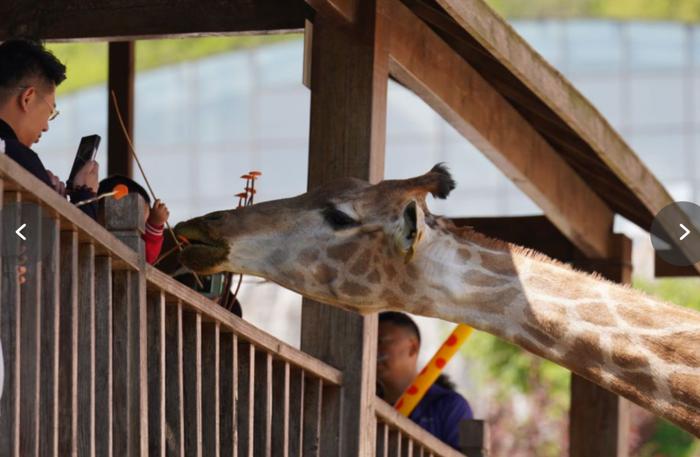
(54, 111)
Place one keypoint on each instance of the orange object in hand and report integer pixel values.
(416, 390)
(120, 191)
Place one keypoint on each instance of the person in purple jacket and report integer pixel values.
(442, 408)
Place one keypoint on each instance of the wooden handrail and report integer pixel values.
(18, 179)
(388, 415)
(214, 312)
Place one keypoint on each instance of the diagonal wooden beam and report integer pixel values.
(422, 61)
(132, 19)
(505, 45)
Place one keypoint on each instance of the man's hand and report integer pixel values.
(159, 214)
(87, 176)
(56, 183)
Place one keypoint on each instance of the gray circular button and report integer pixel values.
(675, 233)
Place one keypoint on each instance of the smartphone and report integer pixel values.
(86, 152)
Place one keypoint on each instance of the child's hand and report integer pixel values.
(159, 214)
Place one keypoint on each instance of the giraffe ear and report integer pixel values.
(438, 182)
(412, 222)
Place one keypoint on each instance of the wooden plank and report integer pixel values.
(144, 19)
(422, 61)
(313, 404)
(50, 299)
(228, 383)
(514, 53)
(86, 349)
(246, 398)
(210, 389)
(9, 324)
(662, 269)
(30, 327)
(297, 389)
(120, 360)
(349, 77)
(387, 414)
(262, 406)
(245, 330)
(68, 348)
(174, 380)
(382, 440)
(120, 81)
(280, 408)
(19, 179)
(156, 374)
(192, 382)
(474, 437)
(103, 356)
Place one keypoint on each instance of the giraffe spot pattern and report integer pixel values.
(624, 354)
(548, 317)
(354, 289)
(494, 302)
(342, 252)
(406, 288)
(308, 256)
(595, 313)
(464, 253)
(498, 263)
(361, 265)
(681, 347)
(374, 277)
(685, 388)
(325, 274)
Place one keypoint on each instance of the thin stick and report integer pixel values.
(148, 184)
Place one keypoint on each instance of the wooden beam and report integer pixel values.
(663, 269)
(422, 61)
(499, 39)
(132, 19)
(349, 77)
(121, 70)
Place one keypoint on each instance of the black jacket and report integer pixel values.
(31, 162)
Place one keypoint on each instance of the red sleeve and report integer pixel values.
(154, 241)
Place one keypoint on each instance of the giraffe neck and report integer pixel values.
(636, 346)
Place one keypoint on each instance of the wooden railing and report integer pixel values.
(105, 355)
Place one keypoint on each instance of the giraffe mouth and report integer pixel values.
(202, 253)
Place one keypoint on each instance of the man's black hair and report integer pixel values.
(400, 320)
(107, 185)
(21, 59)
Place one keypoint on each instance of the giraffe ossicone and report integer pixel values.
(377, 247)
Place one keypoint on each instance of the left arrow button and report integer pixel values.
(19, 230)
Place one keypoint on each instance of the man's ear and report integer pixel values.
(415, 347)
(412, 223)
(25, 97)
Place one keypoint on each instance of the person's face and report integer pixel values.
(397, 354)
(38, 104)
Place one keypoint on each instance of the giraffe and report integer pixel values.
(371, 248)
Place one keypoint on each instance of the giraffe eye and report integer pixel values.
(338, 219)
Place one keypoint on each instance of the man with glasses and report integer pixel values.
(29, 75)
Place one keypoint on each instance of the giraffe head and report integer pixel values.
(342, 243)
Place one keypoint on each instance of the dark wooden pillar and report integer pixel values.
(349, 73)
(599, 419)
(121, 82)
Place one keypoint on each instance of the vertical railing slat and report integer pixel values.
(86, 349)
(296, 411)
(68, 348)
(263, 405)
(174, 413)
(313, 403)
(30, 302)
(280, 408)
(120, 352)
(155, 322)
(103, 356)
(210, 389)
(9, 324)
(246, 396)
(192, 370)
(228, 388)
(50, 283)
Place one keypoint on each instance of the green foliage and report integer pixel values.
(87, 62)
(669, 440)
(675, 10)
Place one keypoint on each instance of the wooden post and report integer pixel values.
(599, 419)
(124, 218)
(473, 438)
(349, 72)
(121, 81)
